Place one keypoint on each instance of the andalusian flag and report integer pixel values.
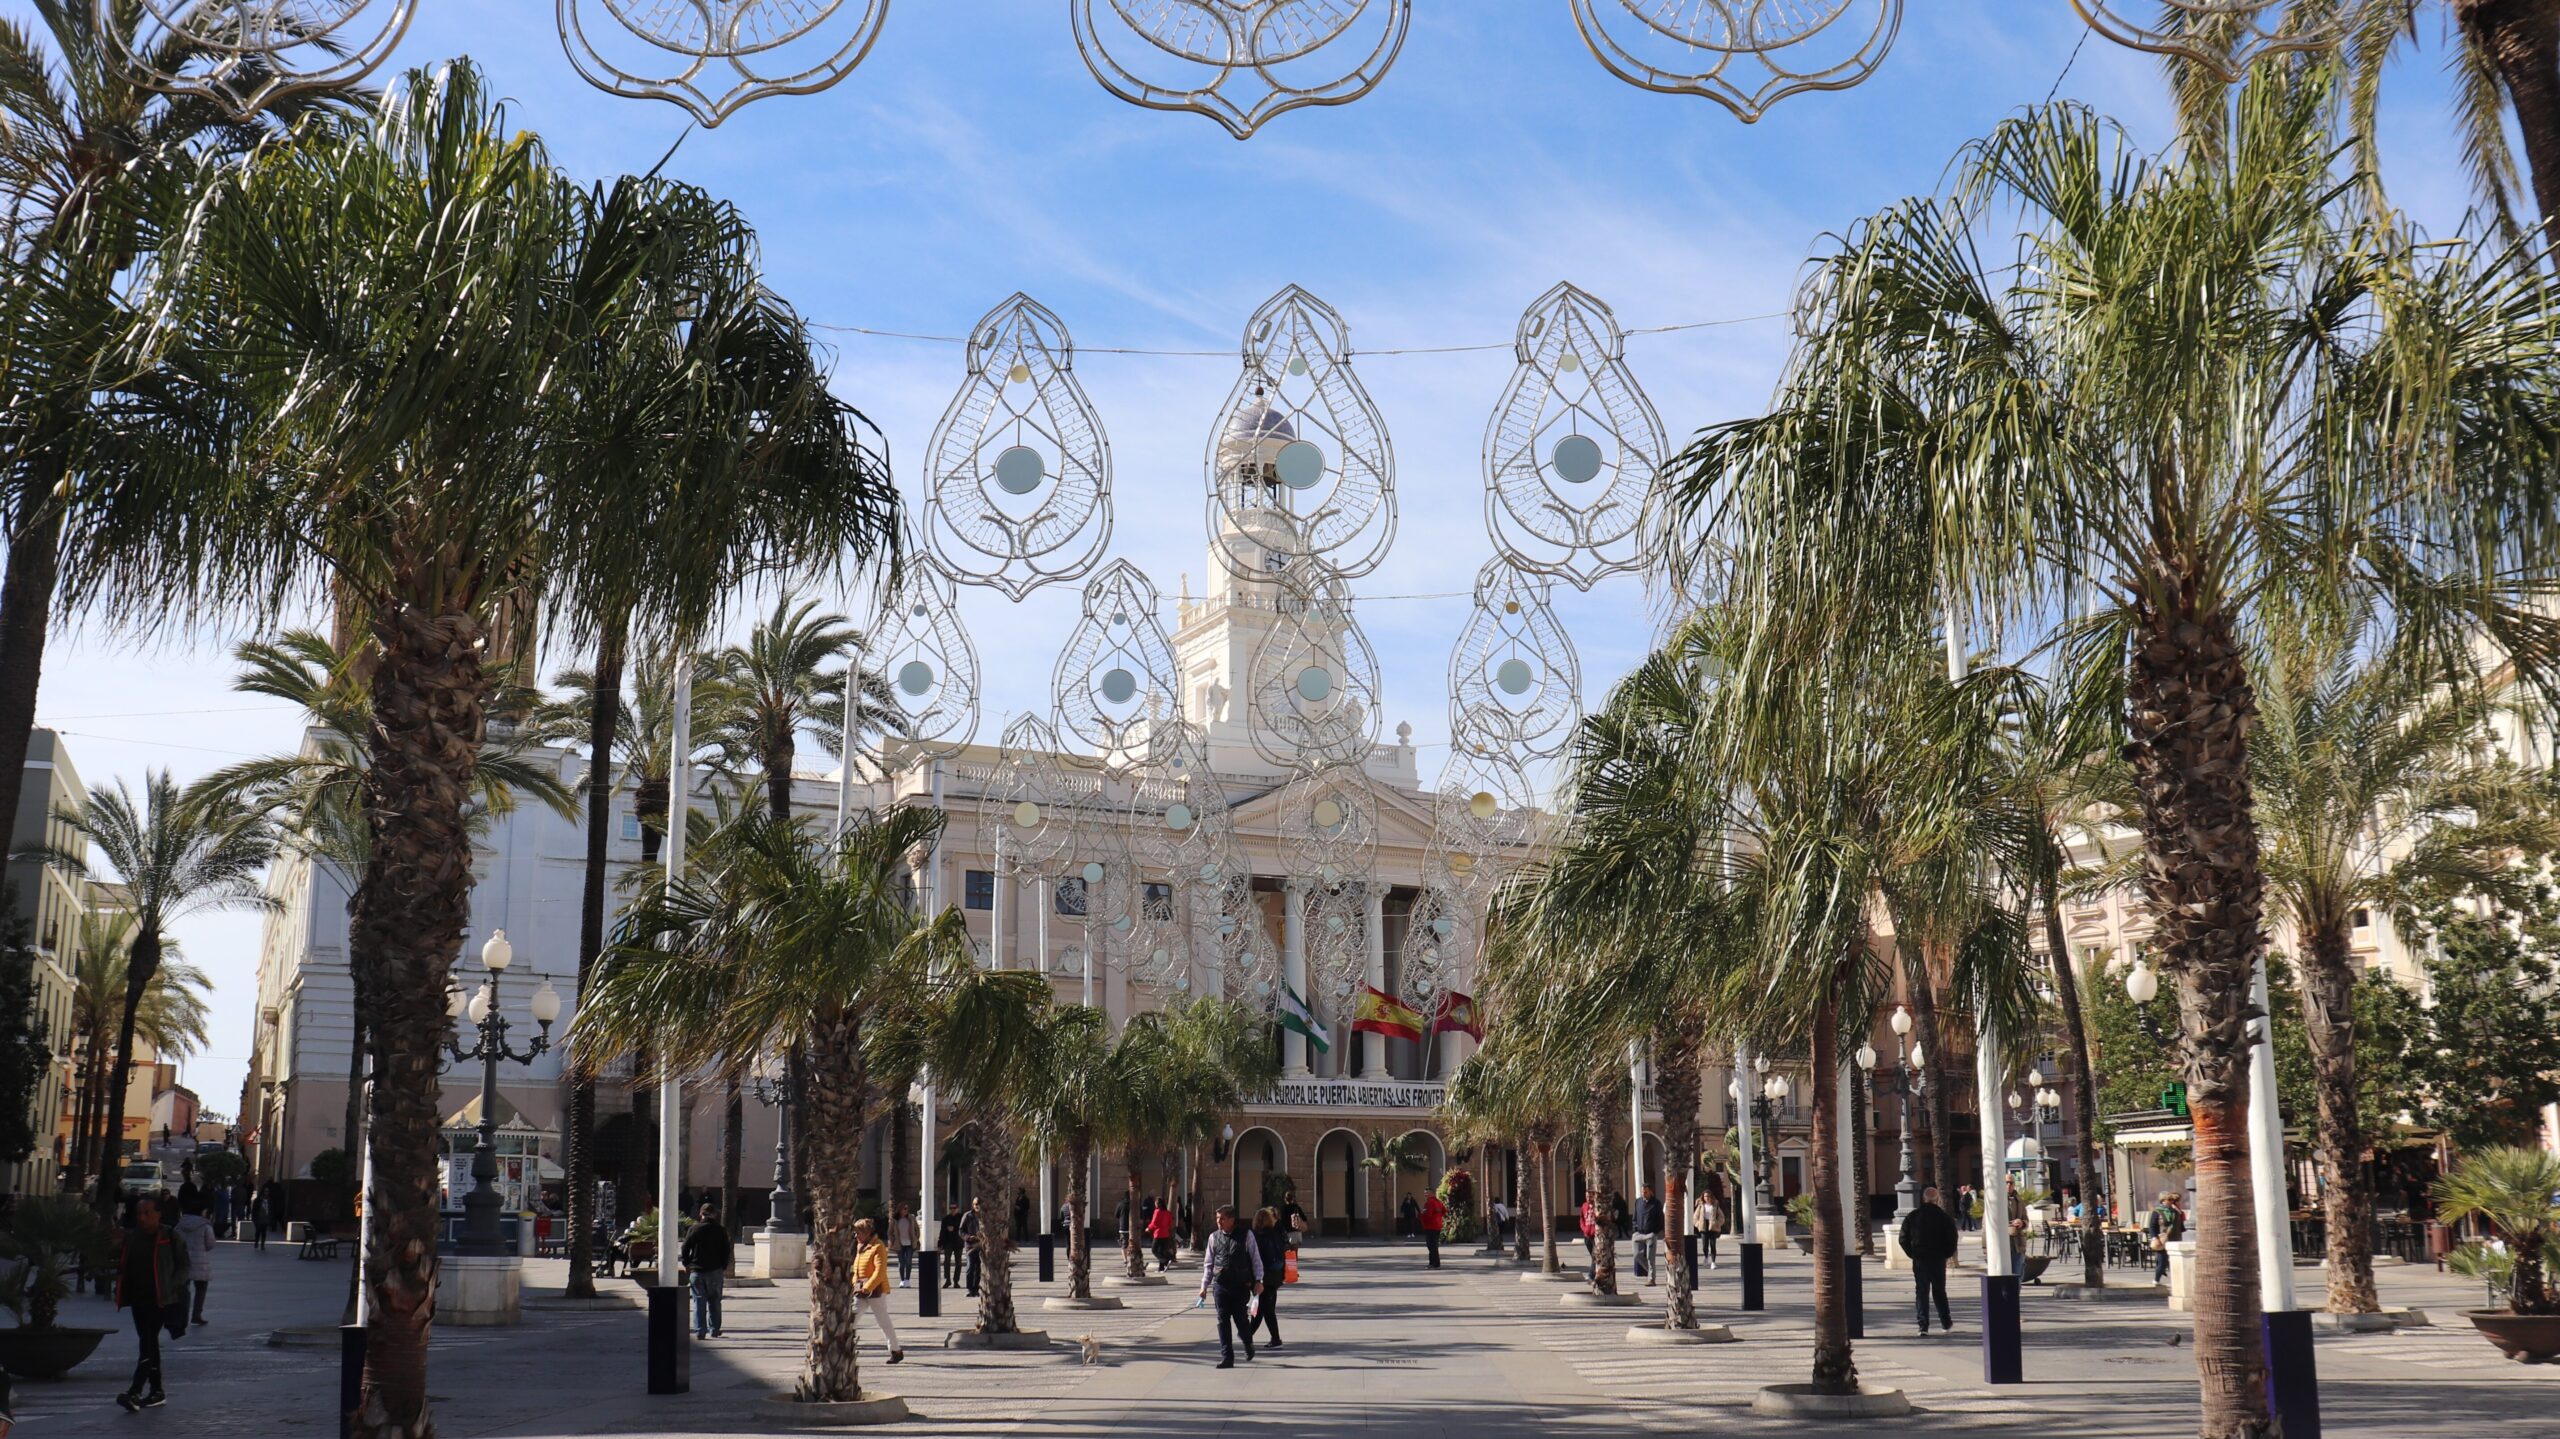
(1458, 1016)
(1383, 1013)
(1294, 1015)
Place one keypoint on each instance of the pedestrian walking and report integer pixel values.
(151, 1280)
(195, 1235)
(1432, 1218)
(871, 1284)
(1273, 1242)
(1590, 1231)
(1501, 1221)
(902, 1230)
(1618, 1216)
(971, 1228)
(948, 1243)
(1160, 1229)
(1709, 1223)
(1021, 1215)
(1231, 1274)
(1964, 1208)
(1409, 1218)
(260, 1216)
(221, 1208)
(2166, 1226)
(705, 1255)
(1292, 1218)
(1648, 1232)
(1929, 1237)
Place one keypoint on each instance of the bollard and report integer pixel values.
(670, 1343)
(929, 1293)
(2293, 1373)
(350, 1377)
(2003, 1361)
(1048, 1258)
(1853, 1289)
(1689, 1256)
(1753, 1299)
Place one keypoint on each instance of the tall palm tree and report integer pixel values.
(172, 1017)
(83, 148)
(421, 456)
(2212, 383)
(1223, 1054)
(174, 853)
(1508, 1091)
(802, 945)
(2372, 783)
(1078, 1111)
(2505, 63)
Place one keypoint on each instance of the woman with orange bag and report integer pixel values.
(1276, 1259)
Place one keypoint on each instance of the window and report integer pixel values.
(631, 825)
(1070, 900)
(1157, 901)
(2363, 918)
(980, 889)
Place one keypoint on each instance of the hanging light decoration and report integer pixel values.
(1239, 62)
(1515, 685)
(1018, 485)
(1745, 55)
(925, 654)
(1571, 451)
(2226, 37)
(1301, 477)
(1116, 673)
(244, 55)
(712, 57)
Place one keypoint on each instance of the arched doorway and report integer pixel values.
(1649, 1163)
(1413, 1184)
(1261, 1158)
(1342, 1187)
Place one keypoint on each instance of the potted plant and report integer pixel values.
(46, 1237)
(1800, 1212)
(2515, 1195)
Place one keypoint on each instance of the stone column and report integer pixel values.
(1373, 1051)
(1293, 971)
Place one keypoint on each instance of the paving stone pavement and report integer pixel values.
(1377, 1345)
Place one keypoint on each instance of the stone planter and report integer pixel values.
(784, 1412)
(1561, 1276)
(1133, 1281)
(1798, 1401)
(1586, 1299)
(1069, 1302)
(2531, 1338)
(1703, 1334)
(980, 1339)
(47, 1353)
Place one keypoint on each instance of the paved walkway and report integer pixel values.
(1376, 1344)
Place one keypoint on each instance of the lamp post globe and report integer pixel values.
(481, 1233)
(1901, 1020)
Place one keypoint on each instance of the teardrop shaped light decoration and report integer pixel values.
(1239, 62)
(244, 55)
(1018, 493)
(1572, 449)
(1037, 798)
(711, 57)
(1240, 940)
(1312, 694)
(1177, 815)
(1515, 686)
(1745, 55)
(1441, 935)
(1327, 818)
(2226, 37)
(1301, 476)
(918, 645)
(1116, 674)
(1336, 916)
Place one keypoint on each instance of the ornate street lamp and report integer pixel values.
(2142, 985)
(480, 1234)
(778, 1090)
(1907, 1079)
(1773, 1092)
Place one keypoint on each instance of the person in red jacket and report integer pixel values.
(1160, 1229)
(1434, 1215)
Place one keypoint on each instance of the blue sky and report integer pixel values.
(972, 155)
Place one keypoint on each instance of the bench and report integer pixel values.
(318, 1248)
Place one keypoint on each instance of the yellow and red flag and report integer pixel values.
(1383, 1013)
(1458, 1016)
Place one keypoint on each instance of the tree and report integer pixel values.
(2506, 62)
(2214, 386)
(24, 1053)
(172, 1016)
(2510, 1191)
(1076, 1112)
(2486, 1058)
(174, 853)
(802, 946)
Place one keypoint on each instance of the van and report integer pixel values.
(141, 1176)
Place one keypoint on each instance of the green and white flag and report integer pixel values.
(1294, 1015)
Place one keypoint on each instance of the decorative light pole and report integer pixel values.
(1773, 1092)
(778, 1090)
(1907, 1079)
(480, 1235)
(2142, 985)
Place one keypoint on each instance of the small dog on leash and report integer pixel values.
(1092, 1348)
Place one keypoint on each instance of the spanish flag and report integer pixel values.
(1458, 1016)
(1383, 1013)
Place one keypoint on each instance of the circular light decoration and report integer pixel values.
(1312, 692)
(1514, 682)
(1328, 823)
(917, 637)
(1571, 451)
(1336, 936)
(2227, 36)
(1176, 820)
(1239, 62)
(1745, 55)
(711, 57)
(244, 55)
(1301, 478)
(1485, 822)
(1034, 798)
(1018, 486)
(1116, 674)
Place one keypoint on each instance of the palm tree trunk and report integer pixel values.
(26, 613)
(996, 1174)
(2328, 1021)
(1835, 1368)
(141, 962)
(84, 1111)
(1549, 1264)
(1079, 1238)
(2189, 704)
(2522, 39)
(1603, 1099)
(1132, 1243)
(733, 1123)
(1861, 1104)
(1676, 1071)
(407, 922)
(604, 723)
(831, 1154)
(2084, 1088)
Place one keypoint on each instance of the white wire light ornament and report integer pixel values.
(1116, 672)
(713, 56)
(1745, 55)
(1328, 823)
(1301, 477)
(1440, 939)
(1336, 915)
(1485, 822)
(244, 55)
(1515, 685)
(2228, 36)
(1018, 493)
(1311, 696)
(1178, 819)
(1572, 449)
(1035, 798)
(1239, 62)
(924, 653)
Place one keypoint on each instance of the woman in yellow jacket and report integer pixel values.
(871, 1283)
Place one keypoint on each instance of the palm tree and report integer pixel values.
(803, 946)
(2371, 784)
(2214, 384)
(174, 853)
(2505, 64)
(2510, 1192)
(1507, 1091)
(424, 457)
(83, 147)
(172, 1017)
(1222, 1054)
(1078, 1111)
